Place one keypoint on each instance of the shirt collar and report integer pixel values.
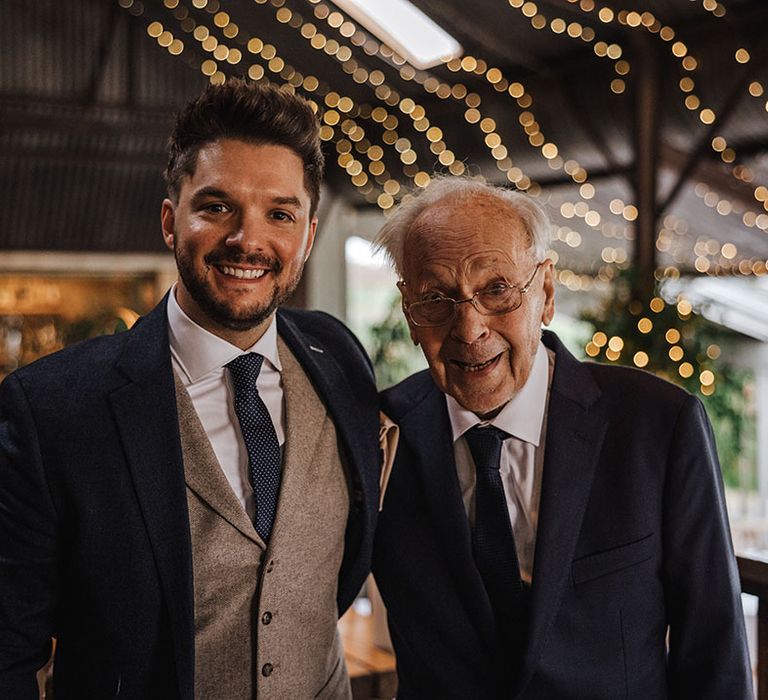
(524, 413)
(200, 352)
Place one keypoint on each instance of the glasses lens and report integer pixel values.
(431, 313)
(499, 300)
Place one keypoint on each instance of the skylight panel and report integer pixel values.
(404, 28)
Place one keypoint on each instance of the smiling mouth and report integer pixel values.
(242, 273)
(475, 366)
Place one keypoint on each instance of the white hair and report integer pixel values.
(391, 238)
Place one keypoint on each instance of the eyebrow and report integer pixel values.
(295, 201)
(206, 192)
(216, 193)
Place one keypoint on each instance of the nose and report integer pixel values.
(247, 234)
(470, 325)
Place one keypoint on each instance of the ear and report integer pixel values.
(548, 309)
(167, 222)
(311, 237)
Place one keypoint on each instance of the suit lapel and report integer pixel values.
(203, 472)
(344, 408)
(427, 432)
(145, 412)
(305, 417)
(575, 431)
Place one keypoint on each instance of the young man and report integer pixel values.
(187, 507)
(549, 525)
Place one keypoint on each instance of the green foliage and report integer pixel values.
(673, 342)
(392, 351)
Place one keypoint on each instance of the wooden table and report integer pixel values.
(371, 669)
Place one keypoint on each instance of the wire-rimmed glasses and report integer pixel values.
(495, 300)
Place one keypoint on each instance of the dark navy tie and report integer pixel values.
(260, 439)
(493, 542)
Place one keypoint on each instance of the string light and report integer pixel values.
(364, 161)
(657, 316)
(275, 64)
(459, 92)
(165, 38)
(679, 50)
(382, 90)
(473, 115)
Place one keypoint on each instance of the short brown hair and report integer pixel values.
(251, 112)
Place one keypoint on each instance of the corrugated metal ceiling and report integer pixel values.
(88, 97)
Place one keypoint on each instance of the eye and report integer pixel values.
(281, 215)
(432, 296)
(215, 208)
(497, 289)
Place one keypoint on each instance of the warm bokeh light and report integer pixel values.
(645, 325)
(640, 359)
(676, 353)
(599, 339)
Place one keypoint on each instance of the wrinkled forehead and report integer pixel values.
(463, 237)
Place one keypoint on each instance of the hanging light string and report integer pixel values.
(277, 65)
(686, 85)
(340, 114)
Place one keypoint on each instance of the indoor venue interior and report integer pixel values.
(640, 126)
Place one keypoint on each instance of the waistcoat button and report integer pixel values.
(266, 670)
(266, 618)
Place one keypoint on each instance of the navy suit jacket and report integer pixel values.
(94, 534)
(632, 541)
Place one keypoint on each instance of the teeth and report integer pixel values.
(477, 367)
(240, 273)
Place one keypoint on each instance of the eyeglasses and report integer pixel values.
(497, 299)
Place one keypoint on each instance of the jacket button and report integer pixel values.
(266, 618)
(266, 670)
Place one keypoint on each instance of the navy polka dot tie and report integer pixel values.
(259, 437)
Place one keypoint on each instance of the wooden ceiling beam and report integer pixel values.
(712, 172)
(647, 134)
(724, 113)
(101, 55)
(584, 118)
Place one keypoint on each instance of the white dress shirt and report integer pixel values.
(522, 455)
(198, 358)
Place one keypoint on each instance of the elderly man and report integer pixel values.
(188, 506)
(552, 529)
